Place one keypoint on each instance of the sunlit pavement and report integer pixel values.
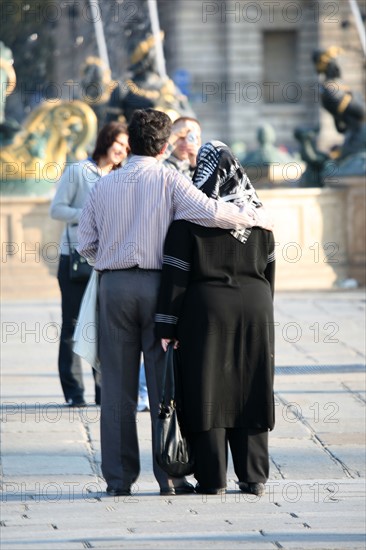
(53, 493)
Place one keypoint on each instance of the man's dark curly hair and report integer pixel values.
(148, 132)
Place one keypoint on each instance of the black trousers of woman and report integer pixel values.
(69, 364)
(249, 450)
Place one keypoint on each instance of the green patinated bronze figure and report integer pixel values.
(348, 111)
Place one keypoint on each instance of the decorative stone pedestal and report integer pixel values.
(354, 218)
(29, 248)
(320, 236)
(311, 242)
(275, 174)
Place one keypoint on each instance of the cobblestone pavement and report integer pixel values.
(53, 493)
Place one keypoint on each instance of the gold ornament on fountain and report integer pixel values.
(54, 133)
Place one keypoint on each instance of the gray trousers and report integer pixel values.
(127, 304)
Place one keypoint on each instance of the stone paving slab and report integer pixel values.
(47, 464)
(299, 458)
(53, 496)
(288, 430)
(349, 439)
(252, 542)
(46, 489)
(354, 457)
(113, 538)
(232, 519)
(69, 443)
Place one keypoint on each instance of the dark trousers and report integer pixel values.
(249, 450)
(127, 305)
(69, 364)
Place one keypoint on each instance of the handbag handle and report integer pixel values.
(71, 250)
(68, 236)
(168, 371)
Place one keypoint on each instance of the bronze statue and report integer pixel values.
(97, 86)
(315, 159)
(348, 111)
(143, 86)
(267, 152)
(346, 107)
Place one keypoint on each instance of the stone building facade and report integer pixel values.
(250, 62)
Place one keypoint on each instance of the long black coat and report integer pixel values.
(216, 298)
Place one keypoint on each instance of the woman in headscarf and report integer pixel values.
(216, 304)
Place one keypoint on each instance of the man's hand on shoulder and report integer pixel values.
(264, 219)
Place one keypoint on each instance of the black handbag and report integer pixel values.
(79, 269)
(172, 450)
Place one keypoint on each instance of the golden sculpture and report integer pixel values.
(55, 133)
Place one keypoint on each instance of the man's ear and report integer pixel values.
(164, 149)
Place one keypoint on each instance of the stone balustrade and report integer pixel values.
(319, 233)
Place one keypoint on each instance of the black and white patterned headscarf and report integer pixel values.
(220, 176)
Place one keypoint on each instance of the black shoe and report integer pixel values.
(185, 489)
(257, 489)
(210, 490)
(118, 492)
(76, 403)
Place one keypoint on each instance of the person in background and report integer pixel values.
(122, 230)
(216, 304)
(76, 182)
(184, 142)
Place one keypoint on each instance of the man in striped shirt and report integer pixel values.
(122, 231)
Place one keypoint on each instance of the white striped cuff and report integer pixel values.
(176, 262)
(271, 257)
(161, 318)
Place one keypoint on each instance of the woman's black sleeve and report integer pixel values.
(174, 280)
(270, 270)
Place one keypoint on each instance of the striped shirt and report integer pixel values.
(127, 215)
